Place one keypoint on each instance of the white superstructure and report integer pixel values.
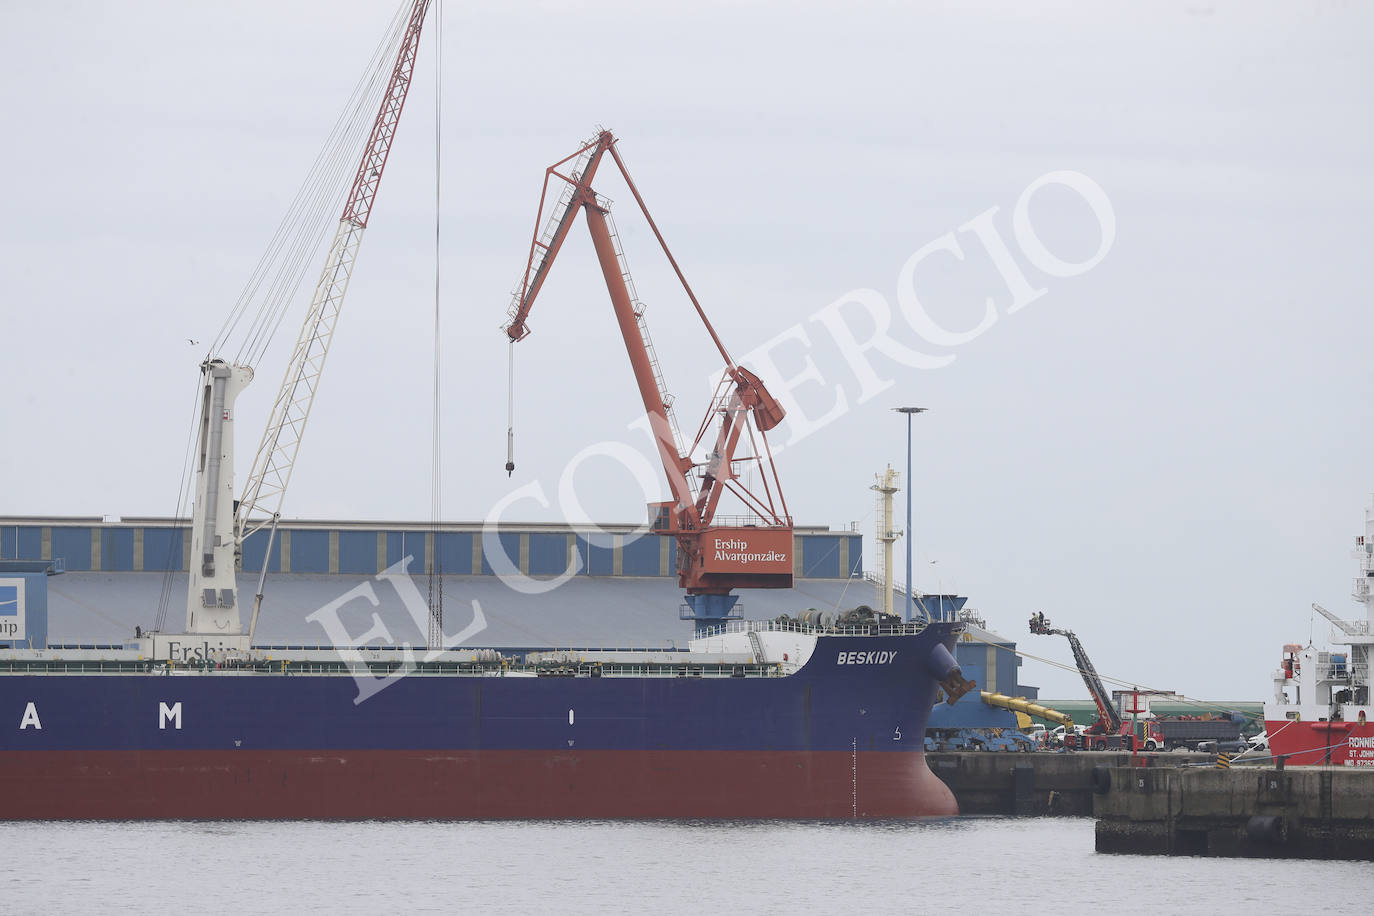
(1320, 685)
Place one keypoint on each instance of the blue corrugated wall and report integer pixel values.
(598, 557)
(510, 543)
(30, 544)
(253, 549)
(640, 555)
(548, 553)
(454, 552)
(358, 551)
(117, 549)
(821, 557)
(73, 547)
(162, 548)
(309, 551)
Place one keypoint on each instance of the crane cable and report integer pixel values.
(1180, 698)
(301, 232)
(292, 248)
(331, 187)
(436, 568)
(175, 544)
(510, 408)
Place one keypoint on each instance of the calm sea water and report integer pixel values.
(968, 865)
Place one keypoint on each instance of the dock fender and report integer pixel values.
(1266, 828)
(1102, 780)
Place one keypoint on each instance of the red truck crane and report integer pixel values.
(715, 553)
(1109, 731)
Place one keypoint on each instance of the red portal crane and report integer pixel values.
(715, 553)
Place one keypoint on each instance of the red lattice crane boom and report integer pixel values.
(715, 554)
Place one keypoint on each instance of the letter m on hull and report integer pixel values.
(166, 714)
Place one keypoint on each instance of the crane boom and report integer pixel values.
(1108, 718)
(276, 457)
(219, 525)
(713, 557)
(1023, 705)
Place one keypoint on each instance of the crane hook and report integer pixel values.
(510, 409)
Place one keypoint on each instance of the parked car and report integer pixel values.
(1057, 734)
(1222, 747)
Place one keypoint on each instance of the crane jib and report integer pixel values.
(361, 196)
(219, 526)
(271, 472)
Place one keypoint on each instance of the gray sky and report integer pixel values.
(1164, 452)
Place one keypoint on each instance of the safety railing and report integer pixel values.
(774, 626)
(341, 669)
(686, 612)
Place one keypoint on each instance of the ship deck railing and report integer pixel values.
(774, 626)
(385, 669)
(1355, 672)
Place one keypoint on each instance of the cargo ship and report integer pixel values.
(755, 719)
(1321, 710)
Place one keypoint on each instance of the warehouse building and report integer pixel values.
(620, 588)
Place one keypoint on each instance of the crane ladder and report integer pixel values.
(554, 227)
(639, 309)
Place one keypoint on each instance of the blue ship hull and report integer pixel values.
(840, 737)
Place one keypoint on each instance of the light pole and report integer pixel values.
(908, 411)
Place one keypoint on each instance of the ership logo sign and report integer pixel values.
(11, 609)
(767, 551)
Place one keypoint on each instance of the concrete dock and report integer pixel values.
(1175, 803)
(1300, 812)
(1034, 784)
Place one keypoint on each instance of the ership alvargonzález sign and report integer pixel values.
(749, 550)
(736, 550)
(11, 609)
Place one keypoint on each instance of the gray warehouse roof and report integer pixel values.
(586, 611)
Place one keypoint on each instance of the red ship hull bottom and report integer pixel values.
(421, 784)
(1321, 743)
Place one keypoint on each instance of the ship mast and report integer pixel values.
(885, 484)
(1359, 635)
